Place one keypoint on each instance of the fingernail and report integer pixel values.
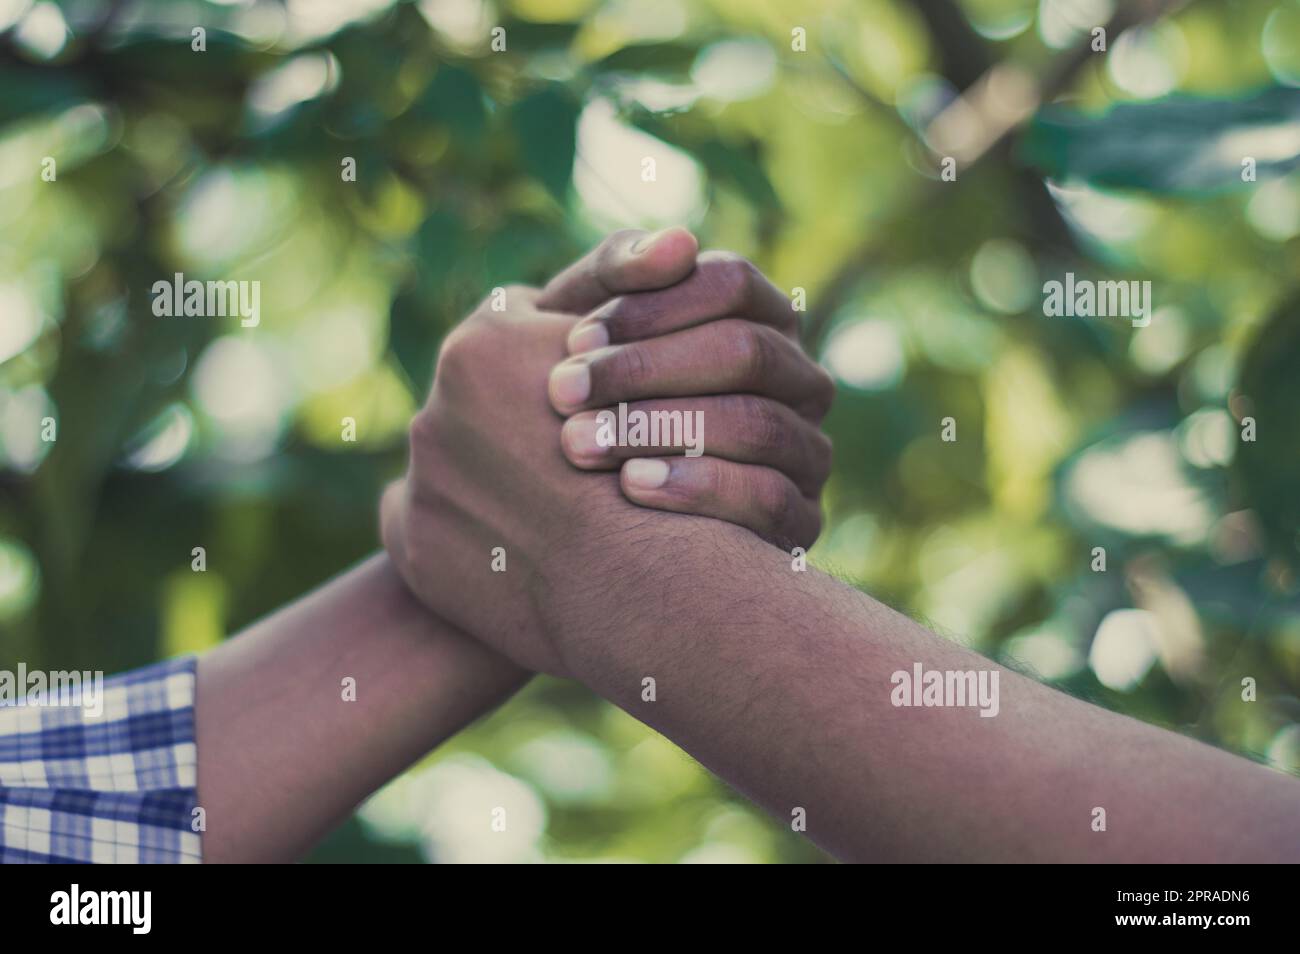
(588, 337)
(645, 242)
(579, 436)
(570, 384)
(646, 473)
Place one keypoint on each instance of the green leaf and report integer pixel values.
(736, 164)
(1268, 466)
(525, 36)
(220, 71)
(455, 98)
(546, 124)
(440, 243)
(649, 58)
(739, 167)
(1174, 145)
(33, 91)
(413, 339)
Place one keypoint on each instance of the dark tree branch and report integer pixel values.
(929, 196)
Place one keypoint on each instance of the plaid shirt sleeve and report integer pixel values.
(113, 786)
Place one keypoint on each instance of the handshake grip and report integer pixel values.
(679, 370)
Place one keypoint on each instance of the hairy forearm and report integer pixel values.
(284, 752)
(780, 681)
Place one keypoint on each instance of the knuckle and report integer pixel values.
(713, 482)
(454, 354)
(800, 529)
(422, 430)
(424, 438)
(452, 373)
(462, 351)
(742, 351)
(730, 276)
(823, 391)
(632, 368)
(636, 314)
(823, 455)
(813, 530)
(773, 499)
(764, 430)
(752, 353)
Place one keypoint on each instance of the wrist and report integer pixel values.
(630, 590)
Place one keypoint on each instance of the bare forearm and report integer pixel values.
(285, 751)
(781, 683)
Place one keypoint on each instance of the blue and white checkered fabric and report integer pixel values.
(114, 787)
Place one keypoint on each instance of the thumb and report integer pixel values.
(630, 260)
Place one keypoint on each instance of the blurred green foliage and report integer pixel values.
(820, 159)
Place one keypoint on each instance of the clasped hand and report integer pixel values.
(507, 452)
